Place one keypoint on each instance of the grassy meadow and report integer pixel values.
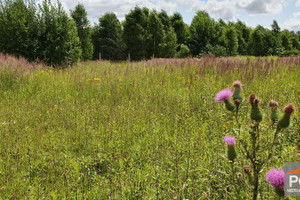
(144, 130)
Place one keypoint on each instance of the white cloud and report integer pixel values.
(217, 9)
(225, 9)
(294, 22)
(97, 8)
(261, 6)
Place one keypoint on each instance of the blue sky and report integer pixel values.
(252, 12)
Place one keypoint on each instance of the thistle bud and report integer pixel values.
(247, 170)
(273, 104)
(230, 141)
(274, 111)
(284, 122)
(256, 115)
(279, 191)
(251, 98)
(237, 102)
(229, 106)
(237, 95)
(239, 175)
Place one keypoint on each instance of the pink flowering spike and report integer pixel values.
(276, 178)
(224, 95)
(230, 140)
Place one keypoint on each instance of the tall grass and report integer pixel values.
(145, 130)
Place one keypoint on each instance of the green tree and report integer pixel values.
(295, 41)
(277, 46)
(84, 30)
(155, 34)
(262, 42)
(271, 43)
(107, 38)
(275, 27)
(218, 46)
(290, 42)
(58, 40)
(169, 44)
(180, 28)
(243, 34)
(285, 40)
(19, 28)
(256, 42)
(135, 33)
(231, 41)
(221, 26)
(165, 20)
(202, 30)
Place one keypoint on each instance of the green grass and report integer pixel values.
(135, 130)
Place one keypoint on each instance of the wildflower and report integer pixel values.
(274, 114)
(224, 95)
(230, 141)
(284, 122)
(276, 179)
(256, 115)
(237, 96)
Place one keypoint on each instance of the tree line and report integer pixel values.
(46, 32)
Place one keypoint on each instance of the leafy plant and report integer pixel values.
(258, 150)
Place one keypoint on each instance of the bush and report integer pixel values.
(183, 52)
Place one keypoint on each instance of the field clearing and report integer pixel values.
(145, 130)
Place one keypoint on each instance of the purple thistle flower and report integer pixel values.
(275, 178)
(230, 140)
(223, 95)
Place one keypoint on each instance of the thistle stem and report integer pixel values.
(256, 183)
(236, 115)
(272, 146)
(255, 138)
(233, 179)
(243, 172)
(257, 132)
